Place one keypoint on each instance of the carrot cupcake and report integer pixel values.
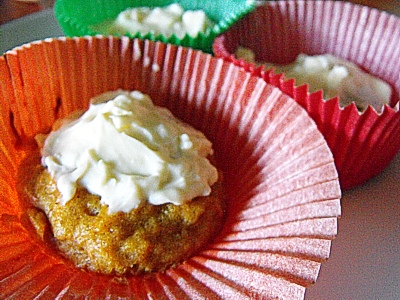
(126, 187)
(279, 182)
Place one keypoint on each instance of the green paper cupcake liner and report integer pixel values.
(78, 17)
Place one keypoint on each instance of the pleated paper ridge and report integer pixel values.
(363, 144)
(281, 182)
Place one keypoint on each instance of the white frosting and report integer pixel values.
(167, 21)
(127, 150)
(336, 77)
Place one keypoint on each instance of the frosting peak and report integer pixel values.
(127, 150)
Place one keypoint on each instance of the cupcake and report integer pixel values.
(279, 178)
(363, 141)
(126, 187)
(154, 20)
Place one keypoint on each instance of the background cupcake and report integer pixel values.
(81, 17)
(363, 143)
(280, 179)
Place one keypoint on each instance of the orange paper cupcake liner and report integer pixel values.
(363, 144)
(282, 187)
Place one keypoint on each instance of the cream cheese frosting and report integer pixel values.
(127, 150)
(169, 20)
(335, 77)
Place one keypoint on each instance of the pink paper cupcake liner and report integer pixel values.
(282, 187)
(363, 144)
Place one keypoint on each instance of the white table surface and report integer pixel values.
(365, 257)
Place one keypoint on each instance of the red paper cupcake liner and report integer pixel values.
(282, 187)
(363, 144)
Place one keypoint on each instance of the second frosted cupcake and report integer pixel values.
(363, 142)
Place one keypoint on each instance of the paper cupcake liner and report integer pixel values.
(282, 187)
(363, 144)
(77, 17)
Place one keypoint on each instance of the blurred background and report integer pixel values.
(13, 9)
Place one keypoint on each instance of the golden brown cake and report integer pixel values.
(149, 238)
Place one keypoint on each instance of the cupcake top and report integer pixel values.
(335, 76)
(127, 150)
(192, 29)
(169, 20)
